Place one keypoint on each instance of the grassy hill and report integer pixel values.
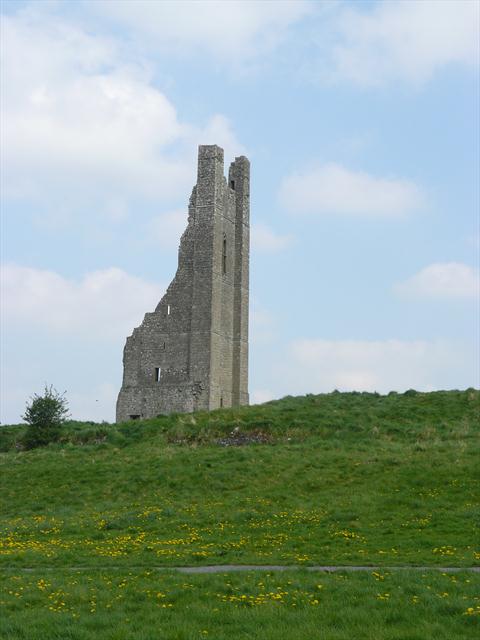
(340, 479)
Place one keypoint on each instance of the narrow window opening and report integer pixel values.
(158, 374)
(168, 309)
(224, 256)
(232, 184)
(221, 402)
(135, 416)
(164, 346)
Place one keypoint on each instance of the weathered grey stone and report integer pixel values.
(192, 351)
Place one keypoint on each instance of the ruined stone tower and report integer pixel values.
(192, 351)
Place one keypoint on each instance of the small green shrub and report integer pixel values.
(45, 416)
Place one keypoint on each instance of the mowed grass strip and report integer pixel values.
(332, 479)
(116, 605)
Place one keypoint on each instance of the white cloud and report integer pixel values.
(443, 280)
(70, 333)
(406, 41)
(231, 31)
(333, 189)
(82, 126)
(315, 365)
(103, 305)
(218, 130)
(264, 238)
(166, 229)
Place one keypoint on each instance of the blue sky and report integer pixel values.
(360, 120)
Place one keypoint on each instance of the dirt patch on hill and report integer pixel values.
(237, 438)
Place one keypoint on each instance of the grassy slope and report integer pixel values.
(346, 479)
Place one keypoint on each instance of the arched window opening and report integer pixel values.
(224, 255)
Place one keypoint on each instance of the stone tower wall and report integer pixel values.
(192, 351)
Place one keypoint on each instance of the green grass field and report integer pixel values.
(133, 605)
(340, 479)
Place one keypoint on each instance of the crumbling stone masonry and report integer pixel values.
(192, 351)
